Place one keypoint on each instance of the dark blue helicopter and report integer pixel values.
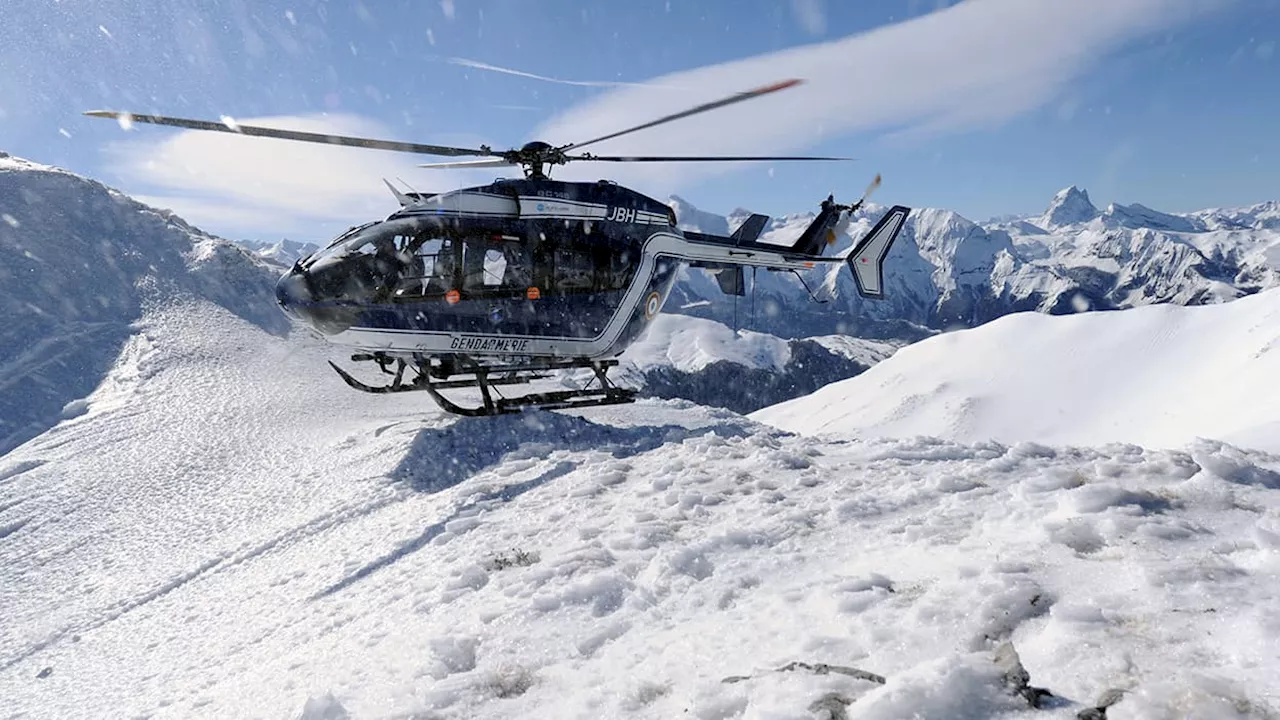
(503, 283)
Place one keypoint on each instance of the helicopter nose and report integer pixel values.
(297, 298)
(293, 293)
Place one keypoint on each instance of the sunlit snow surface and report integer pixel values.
(228, 531)
(1159, 376)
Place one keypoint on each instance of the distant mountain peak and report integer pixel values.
(689, 217)
(1069, 207)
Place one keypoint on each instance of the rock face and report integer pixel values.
(79, 262)
(1071, 206)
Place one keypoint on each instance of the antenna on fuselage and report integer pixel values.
(401, 198)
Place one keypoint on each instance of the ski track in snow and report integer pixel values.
(228, 531)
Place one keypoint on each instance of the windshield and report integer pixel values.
(390, 237)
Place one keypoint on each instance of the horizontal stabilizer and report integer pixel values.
(866, 260)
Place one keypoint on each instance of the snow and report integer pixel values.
(1157, 376)
(216, 526)
(78, 264)
(710, 363)
(690, 344)
(229, 532)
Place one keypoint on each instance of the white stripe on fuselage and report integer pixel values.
(659, 246)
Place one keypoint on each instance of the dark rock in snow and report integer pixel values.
(1016, 678)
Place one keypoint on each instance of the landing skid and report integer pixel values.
(434, 378)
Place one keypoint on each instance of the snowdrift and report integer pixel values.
(1157, 376)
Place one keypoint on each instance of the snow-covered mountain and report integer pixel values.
(946, 271)
(710, 364)
(216, 527)
(282, 252)
(79, 263)
(1158, 376)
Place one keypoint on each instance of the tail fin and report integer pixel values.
(866, 260)
(750, 230)
(814, 238)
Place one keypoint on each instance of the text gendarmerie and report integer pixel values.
(472, 343)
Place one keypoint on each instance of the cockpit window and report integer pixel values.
(391, 237)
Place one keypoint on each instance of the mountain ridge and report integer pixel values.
(947, 271)
(79, 264)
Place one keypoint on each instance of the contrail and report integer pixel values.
(520, 73)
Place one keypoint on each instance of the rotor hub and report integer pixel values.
(532, 156)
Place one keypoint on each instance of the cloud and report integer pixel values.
(975, 64)
(263, 188)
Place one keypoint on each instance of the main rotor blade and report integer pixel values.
(688, 158)
(481, 163)
(737, 97)
(232, 127)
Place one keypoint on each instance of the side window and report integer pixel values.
(494, 266)
(474, 256)
(429, 269)
(518, 272)
(616, 269)
(572, 270)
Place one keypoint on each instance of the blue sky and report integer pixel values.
(986, 106)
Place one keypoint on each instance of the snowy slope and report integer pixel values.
(79, 262)
(229, 532)
(946, 271)
(1157, 376)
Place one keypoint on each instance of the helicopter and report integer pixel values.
(503, 284)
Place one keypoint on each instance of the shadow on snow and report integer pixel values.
(439, 459)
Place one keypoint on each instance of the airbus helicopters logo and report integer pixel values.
(555, 208)
(621, 214)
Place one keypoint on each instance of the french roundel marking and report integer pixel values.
(651, 305)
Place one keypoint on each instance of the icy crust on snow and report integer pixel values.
(946, 271)
(1158, 376)
(78, 264)
(229, 532)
